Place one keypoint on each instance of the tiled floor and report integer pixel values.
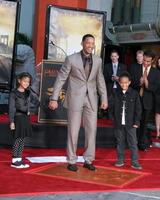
(144, 195)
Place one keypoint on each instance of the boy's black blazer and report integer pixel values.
(133, 108)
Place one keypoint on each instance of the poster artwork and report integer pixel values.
(8, 10)
(48, 76)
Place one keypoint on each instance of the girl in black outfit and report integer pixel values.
(19, 111)
(157, 103)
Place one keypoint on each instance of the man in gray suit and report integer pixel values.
(85, 79)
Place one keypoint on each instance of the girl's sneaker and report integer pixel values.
(19, 164)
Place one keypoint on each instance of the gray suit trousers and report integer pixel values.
(89, 118)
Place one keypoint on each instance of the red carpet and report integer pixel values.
(34, 118)
(54, 178)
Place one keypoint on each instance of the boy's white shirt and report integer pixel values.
(123, 111)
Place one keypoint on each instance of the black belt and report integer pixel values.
(21, 112)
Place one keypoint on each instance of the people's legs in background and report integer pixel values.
(157, 120)
(144, 137)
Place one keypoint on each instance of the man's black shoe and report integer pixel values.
(72, 167)
(142, 148)
(89, 166)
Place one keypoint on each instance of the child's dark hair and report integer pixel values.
(21, 76)
(126, 75)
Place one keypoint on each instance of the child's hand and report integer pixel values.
(135, 126)
(12, 126)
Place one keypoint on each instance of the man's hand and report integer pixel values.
(12, 126)
(53, 105)
(135, 126)
(104, 105)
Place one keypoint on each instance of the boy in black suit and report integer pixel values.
(126, 110)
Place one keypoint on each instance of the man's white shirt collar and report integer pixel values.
(148, 69)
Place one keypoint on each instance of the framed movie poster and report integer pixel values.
(66, 27)
(8, 22)
(49, 72)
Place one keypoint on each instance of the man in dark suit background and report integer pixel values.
(135, 80)
(112, 71)
(145, 80)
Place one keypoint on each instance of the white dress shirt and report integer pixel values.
(123, 110)
(115, 68)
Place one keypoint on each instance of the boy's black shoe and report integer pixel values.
(89, 166)
(72, 167)
(136, 165)
(119, 163)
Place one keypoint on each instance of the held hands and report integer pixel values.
(53, 105)
(144, 81)
(104, 105)
(12, 126)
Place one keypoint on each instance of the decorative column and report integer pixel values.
(101, 5)
(117, 12)
(127, 12)
(136, 11)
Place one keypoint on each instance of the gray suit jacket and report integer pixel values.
(78, 84)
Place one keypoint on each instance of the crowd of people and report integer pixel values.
(129, 95)
(145, 80)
